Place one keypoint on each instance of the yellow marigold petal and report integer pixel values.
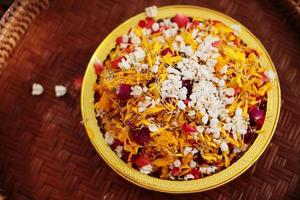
(231, 37)
(171, 60)
(211, 157)
(184, 172)
(170, 107)
(138, 31)
(220, 64)
(235, 55)
(149, 59)
(188, 39)
(221, 28)
(164, 172)
(227, 161)
(153, 110)
(238, 80)
(241, 56)
(212, 144)
(157, 47)
(207, 138)
(262, 91)
(201, 137)
(252, 57)
(232, 141)
(143, 121)
(245, 109)
(103, 103)
(160, 162)
(259, 131)
(181, 119)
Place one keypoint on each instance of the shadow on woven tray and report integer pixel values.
(291, 9)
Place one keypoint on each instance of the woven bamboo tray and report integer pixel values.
(44, 150)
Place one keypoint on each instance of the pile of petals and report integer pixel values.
(181, 98)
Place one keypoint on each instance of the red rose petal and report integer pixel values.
(192, 141)
(166, 51)
(260, 122)
(141, 136)
(236, 91)
(149, 22)
(98, 67)
(217, 43)
(176, 171)
(116, 144)
(236, 41)
(77, 83)
(119, 40)
(193, 25)
(181, 20)
(195, 173)
(141, 161)
(142, 23)
(188, 128)
(123, 91)
(115, 63)
(257, 116)
(186, 102)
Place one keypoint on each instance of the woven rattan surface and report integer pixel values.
(44, 150)
(15, 23)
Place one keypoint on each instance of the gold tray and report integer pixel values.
(207, 183)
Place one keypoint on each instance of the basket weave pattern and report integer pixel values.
(15, 23)
(44, 150)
